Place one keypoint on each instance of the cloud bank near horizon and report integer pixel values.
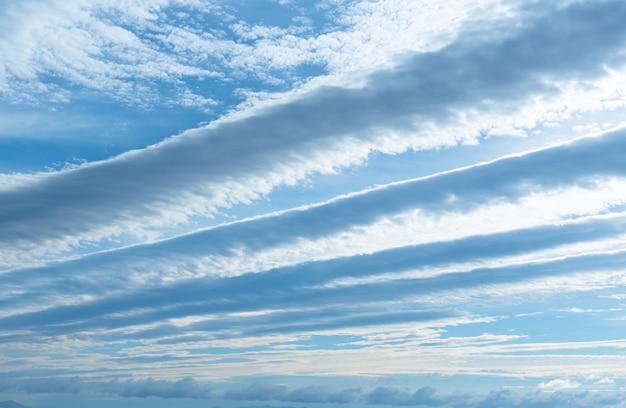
(554, 394)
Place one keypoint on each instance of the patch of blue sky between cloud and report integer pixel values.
(145, 99)
(226, 40)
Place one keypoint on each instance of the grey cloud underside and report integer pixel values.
(324, 309)
(300, 292)
(576, 42)
(580, 162)
(505, 180)
(386, 396)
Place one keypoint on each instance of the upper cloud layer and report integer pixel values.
(238, 159)
(147, 53)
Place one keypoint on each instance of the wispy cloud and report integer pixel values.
(127, 49)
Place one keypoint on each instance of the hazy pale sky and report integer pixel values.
(313, 203)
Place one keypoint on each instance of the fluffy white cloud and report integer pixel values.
(559, 384)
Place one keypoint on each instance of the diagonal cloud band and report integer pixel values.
(584, 161)
(236, 159)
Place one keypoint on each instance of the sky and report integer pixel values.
(313, 203)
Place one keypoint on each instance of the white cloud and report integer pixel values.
(120, 48)
(68, 41)
(559, 384)
(417, 277)
(244, 157)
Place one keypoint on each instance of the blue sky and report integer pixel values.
(321, 203)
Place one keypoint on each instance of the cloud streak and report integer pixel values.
(460, 191)
(291, 290)
(198, 172)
